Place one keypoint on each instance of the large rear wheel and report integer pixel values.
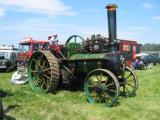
(43, 72)
(101, 86)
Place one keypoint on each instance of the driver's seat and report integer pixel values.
(73, 48)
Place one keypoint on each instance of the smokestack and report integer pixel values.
(112, 27)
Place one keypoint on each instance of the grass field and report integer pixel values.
(22, 104)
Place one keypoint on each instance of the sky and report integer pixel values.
(136, 19)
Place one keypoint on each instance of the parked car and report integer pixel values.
(151, 58)
(155, 57)
(8, 59)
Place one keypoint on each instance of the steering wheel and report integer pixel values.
(75, 38)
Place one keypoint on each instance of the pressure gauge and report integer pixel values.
(96, 47)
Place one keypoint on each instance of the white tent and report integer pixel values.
(141, 54)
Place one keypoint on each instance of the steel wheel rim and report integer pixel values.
(101, 87)
(39, 73)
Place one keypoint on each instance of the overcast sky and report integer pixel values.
(136, 19)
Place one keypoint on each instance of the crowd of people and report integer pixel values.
(140, 64)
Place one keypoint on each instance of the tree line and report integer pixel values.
(151, 47)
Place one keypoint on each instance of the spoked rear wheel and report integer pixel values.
(130, 83)
(43, 72)
(101, 86)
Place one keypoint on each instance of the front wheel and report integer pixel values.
(101, 86)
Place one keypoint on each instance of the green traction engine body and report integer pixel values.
(95, 63)
(85, 63)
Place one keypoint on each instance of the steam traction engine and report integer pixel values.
(98, 65)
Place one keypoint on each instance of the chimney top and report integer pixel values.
(111, 7)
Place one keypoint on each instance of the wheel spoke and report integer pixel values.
(127, 89)
(98, 99)
(35, 76)
(34, 71)
(46, 69)
(97, 78)
(109, 84)
(36, 67)
(43, 63)
(36, 81)
(43, 82)
(107, 95)
(130, 85)
(48, 84)
(128, 76)
(46, 76)
(39, 81)
(39, 63)
(92, 83)
(112, 90)
(130, 80)
(91, 78)
(34, 60)
(93, 92)
(40, 58)
(107, 78)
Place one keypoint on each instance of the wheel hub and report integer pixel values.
(40, 72)
(101, 88)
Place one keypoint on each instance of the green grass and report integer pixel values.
(23, 104)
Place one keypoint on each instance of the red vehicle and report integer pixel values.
(129, 49)
(27, 46)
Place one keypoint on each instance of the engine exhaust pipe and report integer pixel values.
(112, 26)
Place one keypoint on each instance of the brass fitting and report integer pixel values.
(111, 7)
